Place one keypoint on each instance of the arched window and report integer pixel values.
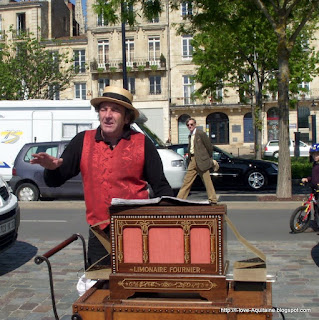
(273, 123)
(183, 132)
(218, 125)
(248, 128)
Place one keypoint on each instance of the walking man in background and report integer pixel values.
(200, 151)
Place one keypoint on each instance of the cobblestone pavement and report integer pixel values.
(25, 294)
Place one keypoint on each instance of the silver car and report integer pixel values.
(28, 183)
(272, 148)
(9, 216)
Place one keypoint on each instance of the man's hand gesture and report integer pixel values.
(46, 161)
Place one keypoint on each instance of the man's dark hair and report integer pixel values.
(130, 115)
(189, 119)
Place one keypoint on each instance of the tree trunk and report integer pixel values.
(284, 185)
(258, 125)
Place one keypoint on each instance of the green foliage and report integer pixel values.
(114, 13)
(29, 71)
(300, 167)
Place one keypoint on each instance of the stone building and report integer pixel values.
(159, 69)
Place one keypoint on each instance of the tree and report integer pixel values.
(236, 46)
(287, 18)
(29, 71)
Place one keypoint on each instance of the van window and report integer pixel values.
(52, 150)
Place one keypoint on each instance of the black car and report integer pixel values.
(234, 171)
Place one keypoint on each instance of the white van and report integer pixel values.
(31, 121)
(28, 184)
(174, 164)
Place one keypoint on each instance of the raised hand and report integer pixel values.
(46, 161)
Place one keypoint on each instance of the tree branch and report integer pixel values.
(303, 22)
(262, 7)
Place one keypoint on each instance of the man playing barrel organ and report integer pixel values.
(114, 161)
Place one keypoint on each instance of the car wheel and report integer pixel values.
(256, 180)
(27, 192)
(276, 155)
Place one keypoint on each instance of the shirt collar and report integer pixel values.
(125, 135)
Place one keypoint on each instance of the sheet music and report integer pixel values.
(129, 202)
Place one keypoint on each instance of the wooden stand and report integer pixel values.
(168, 263)
(96, 304)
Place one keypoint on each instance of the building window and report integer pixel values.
(101, 22)
(55, 58)
(248, 127)
(103, 50)
(155, 85)
(154, 20)
(218, 126)
(131, 84)
(303, 117)
(102, 84)
(187, 9)
(69, 130)
(80, 90)
(304, 88)
(129, 45)
(54, 92)
(220, 91)
(21, 23)
(189, 88)
(154, 48)
(187, 48)
(79, 60)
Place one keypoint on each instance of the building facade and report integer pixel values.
(159, 72)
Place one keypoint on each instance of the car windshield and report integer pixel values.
(217, 153)
(151, 135)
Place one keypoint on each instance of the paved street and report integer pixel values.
(24, 286)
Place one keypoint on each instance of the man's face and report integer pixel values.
(191, 125)
(112, 119)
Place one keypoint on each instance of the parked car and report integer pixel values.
(9, 216)
(235, 171)
(28, 183)
(271, 149)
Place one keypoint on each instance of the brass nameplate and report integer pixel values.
(172, 284)
(166, 269)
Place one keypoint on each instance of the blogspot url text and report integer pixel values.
(264, 310)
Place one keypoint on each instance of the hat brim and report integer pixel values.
(97, 101)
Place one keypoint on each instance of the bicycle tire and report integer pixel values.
(297, 224)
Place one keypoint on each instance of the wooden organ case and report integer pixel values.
(166, 248)
(168, 263)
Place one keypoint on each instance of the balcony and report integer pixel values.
(137, 65)
(20, 33)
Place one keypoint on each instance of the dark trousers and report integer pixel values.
(96, 250)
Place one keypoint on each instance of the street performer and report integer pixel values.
(114, 160)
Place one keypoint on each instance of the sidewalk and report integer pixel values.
(25, 294)
(25, 290)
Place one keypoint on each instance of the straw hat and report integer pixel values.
(117, 95)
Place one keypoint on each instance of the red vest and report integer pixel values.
(108, 174)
